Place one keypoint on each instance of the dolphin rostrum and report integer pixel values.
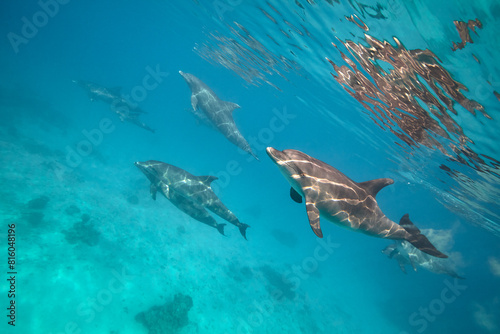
(126, 110)
(191, 194)
(334, 196)
(406, 254)
(217, 112)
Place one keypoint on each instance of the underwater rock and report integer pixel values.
(34, 147)
(239, 273)
(285, 238)
(133, 199)
(72, 210)
(85, 218)
(34, 217)
(82, 231)
(246, 272)
(181, 230)
(38, 203)
(168, 318)
(281, 286)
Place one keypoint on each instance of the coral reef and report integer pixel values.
(133, 199)
(38, 203)
(239, 273)
(33, 214)
(72, 210)
(34, 218)
(278, 283)
(285, 238)
(168, 318)
(82, 231)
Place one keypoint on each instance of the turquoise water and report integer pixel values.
(403, 92)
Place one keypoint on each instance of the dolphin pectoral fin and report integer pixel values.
(313, 215)
(402, 267)
(410, 258)
(153, 190)
(194, 102)
(394, 252)
(165, 190)
(372, 187)
(413, 266)
(207, 179)
(295, 195)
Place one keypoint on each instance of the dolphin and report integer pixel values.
(125, 110)
(191, 194)
(392, 252)
(405, 254)
(331, 194)
(208, 107)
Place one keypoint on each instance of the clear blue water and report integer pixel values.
(97, 273)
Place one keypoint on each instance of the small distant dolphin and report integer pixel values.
(125, 110)
(217, 112)
(191, 194)
(337, 198)
(406, 254)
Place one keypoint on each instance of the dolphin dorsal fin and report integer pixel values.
(372, 187)
(231, 106)
(408, 225)
(207, 179)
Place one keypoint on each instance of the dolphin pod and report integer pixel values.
(331, 194)
(328, 193)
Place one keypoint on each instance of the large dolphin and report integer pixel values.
(405, 254)
(191, 194)
(219, 113)
(334, 196)
(125, 110)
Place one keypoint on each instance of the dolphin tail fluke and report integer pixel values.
(243, 230)
(453, 274)
(255, 156)
(417, 239)
(220, 228)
